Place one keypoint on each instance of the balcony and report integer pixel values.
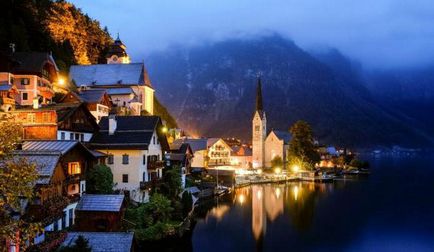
(154, 165)
(146, 185)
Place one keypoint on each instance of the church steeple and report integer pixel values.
(259, 106)
(117, 53)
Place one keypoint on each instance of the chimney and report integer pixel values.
(35, 103)
(112, 124)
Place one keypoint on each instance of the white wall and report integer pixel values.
(273, 148)
(86, 136)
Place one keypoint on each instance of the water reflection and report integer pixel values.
(268, 202)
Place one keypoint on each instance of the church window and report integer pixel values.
(257, 128)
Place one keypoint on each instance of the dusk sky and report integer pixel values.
(378, 33)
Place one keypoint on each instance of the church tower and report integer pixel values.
(117, 53)
(259, 130)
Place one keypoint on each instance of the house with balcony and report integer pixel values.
(97, 101)
(219, 152)
(135, 146)
(62, 167)
(32, 73)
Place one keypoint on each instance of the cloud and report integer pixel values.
(379, 33)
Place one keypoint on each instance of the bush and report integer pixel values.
(99, 180)
(187, 203)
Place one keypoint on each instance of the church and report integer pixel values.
(127, 84)
(266, 147)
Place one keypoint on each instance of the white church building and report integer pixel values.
(266, 147)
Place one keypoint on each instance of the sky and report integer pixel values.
(378, 33)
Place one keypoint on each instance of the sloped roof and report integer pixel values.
(195, 144)
(45, 163)
(283, 135)
(61, 146)
(120, 91)
(109, 75)
(100, 202)
(132, 132)
(242, 151)
(103, 241)
(92, 95)
(32, 61)
(5, 87)
(212, 141)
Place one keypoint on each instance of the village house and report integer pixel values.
(199, 149)
(241, 157)
(104, 241)
(127, 84)
(219, 152)
(277, 145)
(135, 146)
(33, 74)
(62, 121)
(62, 167)
(97, 101)
(100, 213)
(180, 155)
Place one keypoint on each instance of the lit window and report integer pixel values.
(125, 158)
(74, 168)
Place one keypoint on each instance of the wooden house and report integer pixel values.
(97, 101)
(100, 213)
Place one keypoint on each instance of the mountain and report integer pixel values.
(210, 90)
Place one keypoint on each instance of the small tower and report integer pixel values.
(117, 53)
(259, 129)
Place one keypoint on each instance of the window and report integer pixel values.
(25, 81)
(82, 137)
(124, 178)
(46, 117)
(144, 159)
(110, 159)
(71, 217)
(62, 136)
(56, 225)
(71, 136)
(74, 168)
(64, 220)
(153, 139)
(25, 97)
(31, 118)
(77, 136)
(11, 80)
(257, 128)
(125, 158)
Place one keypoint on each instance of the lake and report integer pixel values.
(390, 210)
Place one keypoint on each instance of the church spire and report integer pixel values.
(259, 95)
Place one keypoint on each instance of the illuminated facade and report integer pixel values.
(259, 130)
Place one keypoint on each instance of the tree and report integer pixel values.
(277, 162)
(17, 179)
(81, 245)
(302, 146)
(187, 203)
(172, 182)
(159, 208)
(99, 180)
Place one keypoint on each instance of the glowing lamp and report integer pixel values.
(277, 170)
(295, 168)
(61, 81)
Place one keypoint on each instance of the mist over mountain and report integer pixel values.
(210, 90)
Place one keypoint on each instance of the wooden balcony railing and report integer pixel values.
(146, 185)
(154, 165)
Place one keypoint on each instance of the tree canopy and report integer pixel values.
(99, 180)
(301, 146)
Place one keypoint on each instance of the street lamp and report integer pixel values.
(295, 168)
(277, 170)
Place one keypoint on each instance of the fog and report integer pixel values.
(378, 33)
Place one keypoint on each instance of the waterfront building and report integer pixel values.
(135, 146)
(241, 157)
(199, 149)
(180, 155)
(259, 130)
(277, 145)
(219, 152)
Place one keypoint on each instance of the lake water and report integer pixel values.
(390, 210)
